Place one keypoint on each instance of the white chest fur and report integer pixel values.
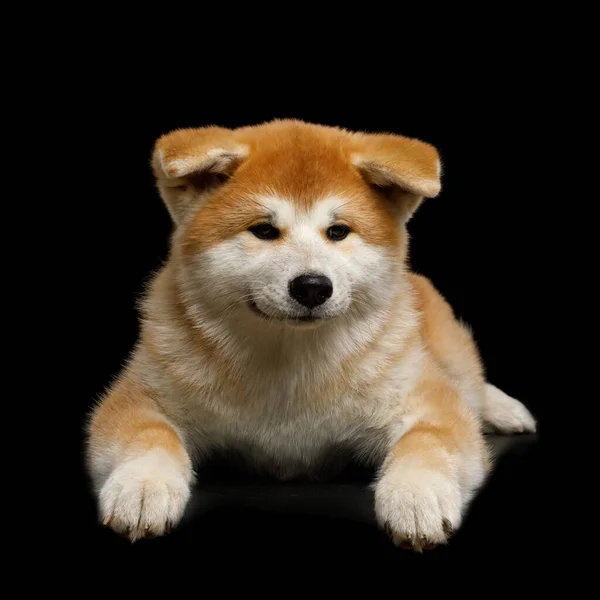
(287, 400)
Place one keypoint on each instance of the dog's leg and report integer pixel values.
(453, 346)
(504, 414)
(139, 467)
(432, 471)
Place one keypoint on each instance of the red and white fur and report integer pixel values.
(228, 359)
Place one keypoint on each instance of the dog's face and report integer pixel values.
(290, 223)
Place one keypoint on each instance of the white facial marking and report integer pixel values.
(247, 272)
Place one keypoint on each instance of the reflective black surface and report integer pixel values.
(242, 518)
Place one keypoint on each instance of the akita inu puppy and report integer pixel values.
(285, 323)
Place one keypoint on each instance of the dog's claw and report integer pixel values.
(407, 542)
(448, 529)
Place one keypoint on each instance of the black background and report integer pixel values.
(483, 241)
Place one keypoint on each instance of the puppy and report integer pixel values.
(286, 322)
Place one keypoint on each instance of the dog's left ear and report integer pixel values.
(407, 170)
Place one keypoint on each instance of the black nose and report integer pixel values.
(311, 290)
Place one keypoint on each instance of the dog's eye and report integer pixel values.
(221, 177)
(338, 232)
(265, 231)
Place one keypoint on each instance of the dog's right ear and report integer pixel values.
(190, 164)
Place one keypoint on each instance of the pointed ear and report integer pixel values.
(407, 170)
(190, 164)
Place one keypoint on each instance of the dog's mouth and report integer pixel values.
(293, 319)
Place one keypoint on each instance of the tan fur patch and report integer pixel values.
(450, 343)
(446, 426)
(302, 164)
(127, 417)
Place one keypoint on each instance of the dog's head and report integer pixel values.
(288, 222)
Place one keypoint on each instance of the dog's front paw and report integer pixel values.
(146, 496)
(419, 508)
